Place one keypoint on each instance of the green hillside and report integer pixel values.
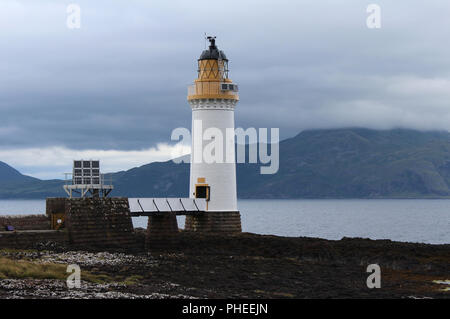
(339, 163)
(358, 163)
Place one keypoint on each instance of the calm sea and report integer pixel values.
(426, 221)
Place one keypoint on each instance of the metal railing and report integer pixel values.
(69, 179)
(209, 88)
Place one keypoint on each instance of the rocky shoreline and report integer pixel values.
(242, 266)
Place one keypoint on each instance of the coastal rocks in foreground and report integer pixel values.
(53, 288)
(245, 266)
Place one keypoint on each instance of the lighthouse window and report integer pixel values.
(202, 192)
(229, 87)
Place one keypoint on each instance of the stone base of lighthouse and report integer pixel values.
(161, 231)
(214, 223)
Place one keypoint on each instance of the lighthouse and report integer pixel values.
(213, 97)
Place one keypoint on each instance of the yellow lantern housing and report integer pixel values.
(212, 81)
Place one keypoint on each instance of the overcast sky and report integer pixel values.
(116, 88)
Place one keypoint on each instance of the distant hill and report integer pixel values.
(11, 175)
(338, 163)
(13, 184)
(357, 163)
(158, 179)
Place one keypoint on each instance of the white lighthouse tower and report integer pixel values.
(213, 97)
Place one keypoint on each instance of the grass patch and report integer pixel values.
(21, 269)
(132, 280)
(283, 294)
(13, 250)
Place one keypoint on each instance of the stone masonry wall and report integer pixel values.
(31, 239)
(161, 231)
(25, 222)
(100, 223)
(214, 222)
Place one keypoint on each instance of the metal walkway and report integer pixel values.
(160, 206)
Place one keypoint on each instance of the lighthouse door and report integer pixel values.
(202, 191)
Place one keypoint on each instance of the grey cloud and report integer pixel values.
(120, 81)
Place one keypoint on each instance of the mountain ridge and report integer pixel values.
(11, 175)
(322, 163)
